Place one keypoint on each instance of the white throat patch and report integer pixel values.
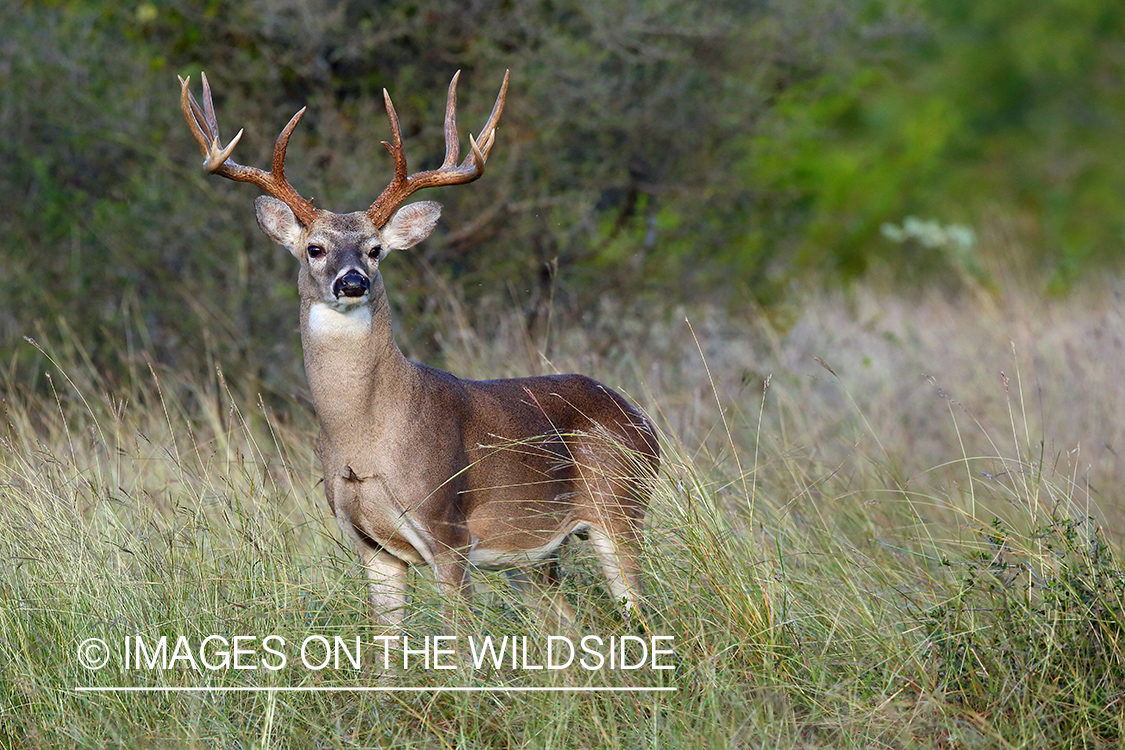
(326, 321)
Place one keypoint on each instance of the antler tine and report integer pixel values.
(395, 146)
(194, 115)
(282, 143)
(205, 128)
(209, 107)
(452, 147)
(488, 133)
(404, 185)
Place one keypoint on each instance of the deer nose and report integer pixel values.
(351, 284)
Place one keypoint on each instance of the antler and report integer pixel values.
(205, 128)
(402, 186)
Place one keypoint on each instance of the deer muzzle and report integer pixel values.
(351, 284)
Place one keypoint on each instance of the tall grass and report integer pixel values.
(879, 523)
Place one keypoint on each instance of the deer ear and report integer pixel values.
(410, 225)
(278, 222)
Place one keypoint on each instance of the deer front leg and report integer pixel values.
(451, 573)
(387, 580)
(387, 576)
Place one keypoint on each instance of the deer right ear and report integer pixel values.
(278, 222)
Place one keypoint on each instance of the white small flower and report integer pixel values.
(930, 234)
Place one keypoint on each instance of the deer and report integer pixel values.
(420, 467)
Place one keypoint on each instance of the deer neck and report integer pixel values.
(352, 363)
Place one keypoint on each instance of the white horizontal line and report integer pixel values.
(375, 689)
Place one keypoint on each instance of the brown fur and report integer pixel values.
(419, 465)
(423, 467)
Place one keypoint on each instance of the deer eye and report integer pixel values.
(315, 251)
(373, 253)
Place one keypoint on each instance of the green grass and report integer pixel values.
(889, 546)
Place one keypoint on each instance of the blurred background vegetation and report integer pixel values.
(654, 152)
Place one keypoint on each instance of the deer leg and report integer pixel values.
(621, 568)
(539, 588)
(387, 580)
(387, 576)
(454, 587)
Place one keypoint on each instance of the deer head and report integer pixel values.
(340, 253)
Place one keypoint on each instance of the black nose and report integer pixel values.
(351, 284)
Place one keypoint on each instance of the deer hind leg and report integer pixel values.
(615, 506)
(618, 558)
(541, 590)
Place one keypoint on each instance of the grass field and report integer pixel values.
(880, 523)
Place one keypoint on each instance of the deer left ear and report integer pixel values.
(410, 225)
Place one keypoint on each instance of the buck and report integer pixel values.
(422, 467)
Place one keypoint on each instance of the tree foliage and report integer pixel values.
(984, 109)
(649, 147)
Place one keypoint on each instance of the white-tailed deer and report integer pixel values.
(419, 465)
